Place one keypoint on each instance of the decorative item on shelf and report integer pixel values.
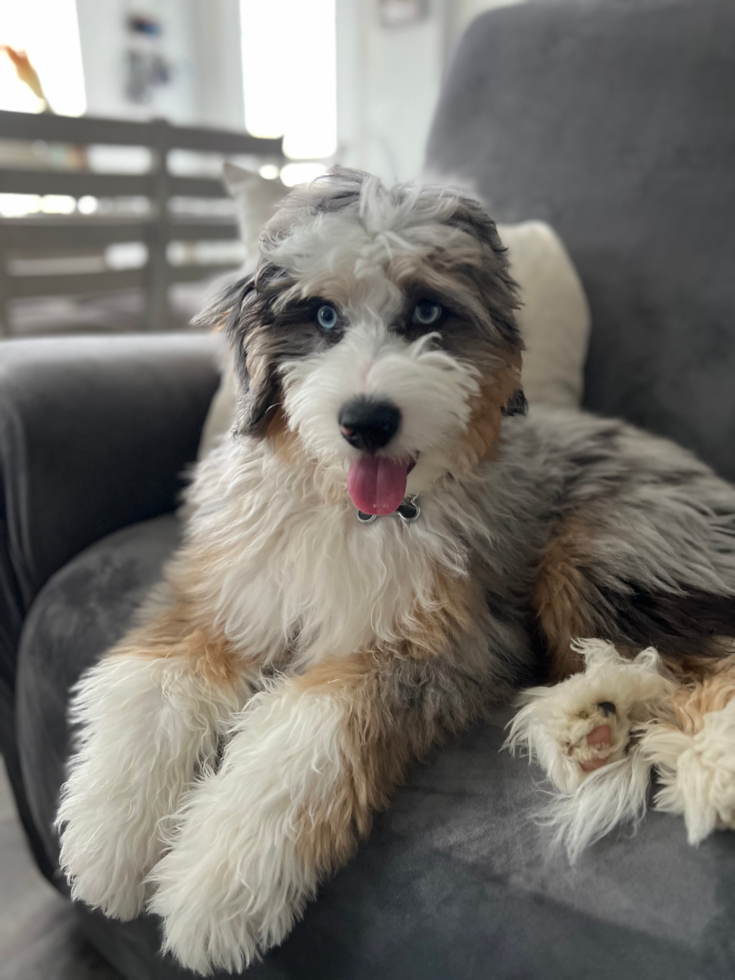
(148, 68)
(400, 13)
(27, 74)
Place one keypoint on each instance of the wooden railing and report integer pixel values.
(58, 235)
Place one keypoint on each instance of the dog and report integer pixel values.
(385, 546)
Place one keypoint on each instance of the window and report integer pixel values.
(289, 74)
(47, 30)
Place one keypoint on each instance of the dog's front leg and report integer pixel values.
(310, 762)
(148, 715)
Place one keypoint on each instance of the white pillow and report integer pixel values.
(554, 320)
(256, 200)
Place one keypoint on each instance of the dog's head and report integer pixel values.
(377, 335)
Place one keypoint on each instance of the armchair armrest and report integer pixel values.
(94, 434)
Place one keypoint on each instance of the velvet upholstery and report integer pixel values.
(613, 121)
(111, 419)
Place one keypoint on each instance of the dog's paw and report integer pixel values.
(207, 922)
(249, 844)
(584, 723)
(696, 768)
(594, 734)
(103, 859)
(227, 892)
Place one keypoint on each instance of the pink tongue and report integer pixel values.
(377, 485)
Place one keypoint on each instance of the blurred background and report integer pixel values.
(348, 81)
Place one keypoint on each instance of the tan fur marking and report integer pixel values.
(374, 763)
(341, 287)
(213, 660)
(558, 595)
(174, 633)
(709, 685)
(289, 448)
(435, 631)
(564, 614)
(479, 442)
(259, 355)
(377, 748)
(283, 439)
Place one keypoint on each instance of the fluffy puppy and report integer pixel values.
(383, 548)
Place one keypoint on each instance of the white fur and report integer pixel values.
(234, 881)
(552, 727)
(554, 721)
(697, 772)
(364, 242)
(608, 797)
(431, 388)
(145, 728)
(347, 585)
(554, 318)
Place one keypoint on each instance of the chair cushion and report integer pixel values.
(456, 879)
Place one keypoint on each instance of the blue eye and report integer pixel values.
(326, 317)
(427, 312)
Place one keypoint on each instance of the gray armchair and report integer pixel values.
(613, 120)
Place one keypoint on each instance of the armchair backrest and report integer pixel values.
(614, 120)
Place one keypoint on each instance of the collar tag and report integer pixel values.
(409, 512)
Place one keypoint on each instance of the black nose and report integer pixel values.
(368, 424)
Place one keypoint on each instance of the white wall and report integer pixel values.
(47, 31)
(389, 79)
(387, 85)
(219, 62)
(201, 40)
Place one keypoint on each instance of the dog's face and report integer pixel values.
(377, 335)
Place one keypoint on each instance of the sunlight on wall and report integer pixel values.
(289, 74)
(301, 173)
(48, 31)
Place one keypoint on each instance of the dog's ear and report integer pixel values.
(217, 314)
(472, 217)
(240, 314)
(492, 275)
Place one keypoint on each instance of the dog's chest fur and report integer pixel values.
(285, 572)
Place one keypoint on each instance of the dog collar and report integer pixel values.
(409, 512)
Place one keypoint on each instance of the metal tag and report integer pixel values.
(409, 512)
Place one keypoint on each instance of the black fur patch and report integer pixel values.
(675, 624)
(517, 404)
